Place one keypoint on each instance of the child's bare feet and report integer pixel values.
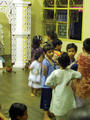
(32, 94)
(46, 117)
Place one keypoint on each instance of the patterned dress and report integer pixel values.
(83, 86)
(35, 75)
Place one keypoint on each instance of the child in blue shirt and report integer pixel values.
(48, 67)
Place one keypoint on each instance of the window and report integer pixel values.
(64, 17)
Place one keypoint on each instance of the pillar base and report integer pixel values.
(19, 65)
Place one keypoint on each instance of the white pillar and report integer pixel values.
(18, 32)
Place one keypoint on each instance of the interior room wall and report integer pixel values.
(36, 22)
(36, 17)
(6, 34)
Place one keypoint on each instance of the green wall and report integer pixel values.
(6, 34)
(36, 17)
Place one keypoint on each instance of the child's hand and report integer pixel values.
(53, 87)
(69, 82)
(44, 70)
(37, 72)
(43, 66)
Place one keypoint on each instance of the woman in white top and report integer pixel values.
(62, 95)
(35, 72)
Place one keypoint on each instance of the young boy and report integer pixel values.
(48, 67)
(72, 50)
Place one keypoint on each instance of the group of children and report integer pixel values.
(55, 73)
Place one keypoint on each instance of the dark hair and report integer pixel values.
(71, 45)
(17, 109)
(38, 53)
(56, 42)
(64, 60)
(86, 44)
(52, 34)
(48, 46)
(36, 41)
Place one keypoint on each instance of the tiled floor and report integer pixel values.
(14, 88)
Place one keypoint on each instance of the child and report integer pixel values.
(37, 40)
(50, 37)
(18, 111)
(35, 73)
(83, 87)
(48, 67)
(72, 50)
(57, 51)
(62, 94)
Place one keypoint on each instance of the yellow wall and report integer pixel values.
(36, 22)
(36, 17)
(86, 20)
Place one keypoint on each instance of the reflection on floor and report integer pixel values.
(14, 88)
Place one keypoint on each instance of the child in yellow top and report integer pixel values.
(57, 51)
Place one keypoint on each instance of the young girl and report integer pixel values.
(37, 40)
(83, 87)
(62, 94)
(35, 73)
(48, 67)
(18, 111)
(50, 37)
